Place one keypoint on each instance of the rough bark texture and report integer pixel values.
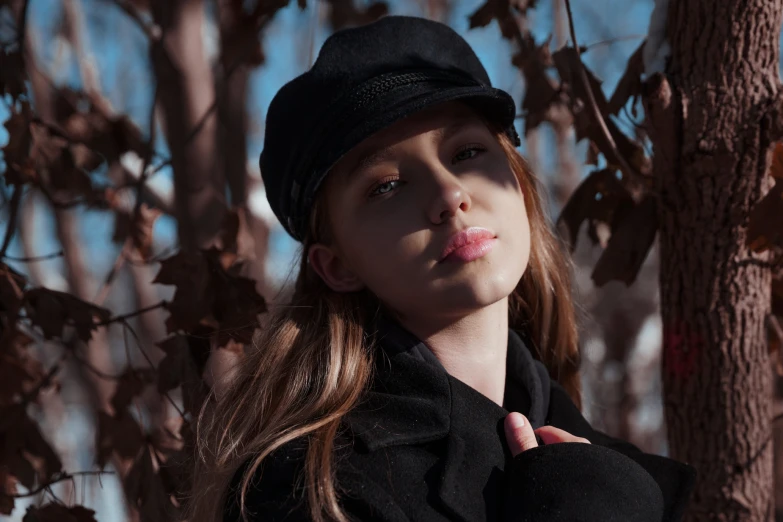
(709, 122)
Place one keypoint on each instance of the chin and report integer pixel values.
(477, 292)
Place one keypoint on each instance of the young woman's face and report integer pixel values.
(397, 199)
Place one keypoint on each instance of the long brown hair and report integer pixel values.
(312, 362)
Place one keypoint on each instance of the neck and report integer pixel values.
(473, 348)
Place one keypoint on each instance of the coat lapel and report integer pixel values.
(414, 400)
(476, 456)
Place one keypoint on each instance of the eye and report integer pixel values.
(382, 187)
(467, 152)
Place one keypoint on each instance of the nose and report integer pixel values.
(451, 195)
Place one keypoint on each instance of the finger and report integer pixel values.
(552, 435)
(519, 433)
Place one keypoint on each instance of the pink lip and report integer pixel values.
(469, 244)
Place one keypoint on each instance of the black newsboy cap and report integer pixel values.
(364, 79)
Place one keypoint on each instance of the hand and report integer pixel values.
(521, 436)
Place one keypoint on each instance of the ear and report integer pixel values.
(332, 269)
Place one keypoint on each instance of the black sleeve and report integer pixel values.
(276, 494)
(675, 479)
(566, 482)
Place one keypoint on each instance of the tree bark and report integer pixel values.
(709, 124)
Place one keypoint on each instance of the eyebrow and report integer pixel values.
(382, 154)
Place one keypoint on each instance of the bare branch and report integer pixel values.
(34, 259)
(152, 31)
(13, 215)
(59, 478)
(122, 318)
(777, 329)
(628, 169)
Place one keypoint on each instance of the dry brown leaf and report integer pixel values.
(55, 512)
(236, 238)
(52, 311)
(765, 227)
(586, 125)
(7, 490)
(600, 198)
(130, 384)
(139, 226)
(210, 296)
(19, 372)
(776, 166)
(630, 84)
(24, 451)
(12, 73)
(145, 491)
(16, 153)
(12, 285)
(629, 245)
(345, 13)
(183, 366)
(119, 433)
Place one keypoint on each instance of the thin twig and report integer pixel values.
(776, 327)
(22, 28)
(13, 215)
(59, 478)
(149, 361)
(624, 165)
(46, 380)
(140, 311)
(153, 32)
(147, 157)
(614, 40)
(103, 375)
(34, 259)
(103, 292)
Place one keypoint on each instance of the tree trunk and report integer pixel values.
(709, 126)
(567, 172)
(187, 95)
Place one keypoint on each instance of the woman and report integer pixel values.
(431, 301)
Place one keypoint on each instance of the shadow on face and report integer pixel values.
(396, 199)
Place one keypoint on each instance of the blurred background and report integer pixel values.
(201, 99)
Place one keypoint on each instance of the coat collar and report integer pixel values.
(414, 400)
(410, 400)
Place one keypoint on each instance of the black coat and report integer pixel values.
(425, 447)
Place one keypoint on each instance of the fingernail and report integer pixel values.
(516, 420)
